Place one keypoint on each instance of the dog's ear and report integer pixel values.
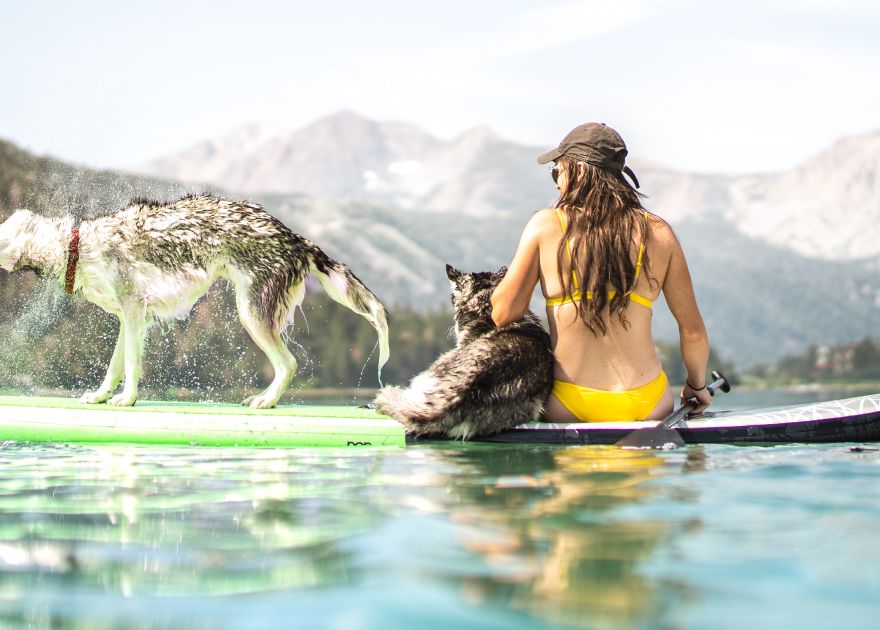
(498, 275)
(452, 273)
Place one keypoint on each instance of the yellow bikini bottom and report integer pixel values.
(599, 405)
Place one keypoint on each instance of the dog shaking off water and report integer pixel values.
(153, 261)
(494, 379)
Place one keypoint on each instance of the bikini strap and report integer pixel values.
(633, 295)
(574, 278)
(642, 246)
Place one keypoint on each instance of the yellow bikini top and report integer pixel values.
(576, 295)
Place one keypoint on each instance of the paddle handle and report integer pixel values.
(678, 415)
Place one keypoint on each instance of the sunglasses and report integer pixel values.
(554, 173)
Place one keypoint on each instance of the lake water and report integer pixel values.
(443, 535)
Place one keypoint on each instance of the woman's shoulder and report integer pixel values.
(544, 222)
(660, 231)
(546, 214)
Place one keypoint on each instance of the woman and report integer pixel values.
(602, 261)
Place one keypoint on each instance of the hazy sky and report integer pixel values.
(729, 86)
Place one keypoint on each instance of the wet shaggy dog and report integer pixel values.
(153, 261)
(494, 379)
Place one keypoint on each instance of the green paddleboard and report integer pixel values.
(44, 419)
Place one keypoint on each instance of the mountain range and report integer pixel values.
(827, 207)
(395, 204)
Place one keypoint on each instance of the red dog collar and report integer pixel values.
(72, 258)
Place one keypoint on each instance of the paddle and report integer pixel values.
(662, 435)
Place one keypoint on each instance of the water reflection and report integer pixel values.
(550, 531)
(171, 523)
(532, 531)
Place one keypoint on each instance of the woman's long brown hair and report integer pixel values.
(603, 218)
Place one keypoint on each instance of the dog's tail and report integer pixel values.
(344, 287)
(423, 408)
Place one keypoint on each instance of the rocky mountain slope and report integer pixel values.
(348, 156)
(760, 301)
(54, 188)
(828, 207)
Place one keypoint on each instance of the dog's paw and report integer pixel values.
(94, 398)
(259, 401)
(122, 400)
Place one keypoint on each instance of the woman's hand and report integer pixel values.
(701, 395)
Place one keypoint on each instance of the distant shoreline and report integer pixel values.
(340, 395)
(809, 386)
(363, 395)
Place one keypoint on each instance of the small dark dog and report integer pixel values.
(494, 379)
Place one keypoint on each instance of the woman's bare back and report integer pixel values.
(622, 359)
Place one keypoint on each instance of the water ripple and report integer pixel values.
(466, 534)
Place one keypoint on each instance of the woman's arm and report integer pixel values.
(679, 293)
(511, 297)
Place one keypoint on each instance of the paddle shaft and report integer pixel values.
(678, 415)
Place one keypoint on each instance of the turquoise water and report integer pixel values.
(439, 536)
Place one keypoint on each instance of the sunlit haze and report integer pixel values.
(731, 86)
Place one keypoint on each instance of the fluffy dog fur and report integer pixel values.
(153, 261)
(494, 379)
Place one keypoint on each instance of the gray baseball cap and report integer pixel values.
(594, 143)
